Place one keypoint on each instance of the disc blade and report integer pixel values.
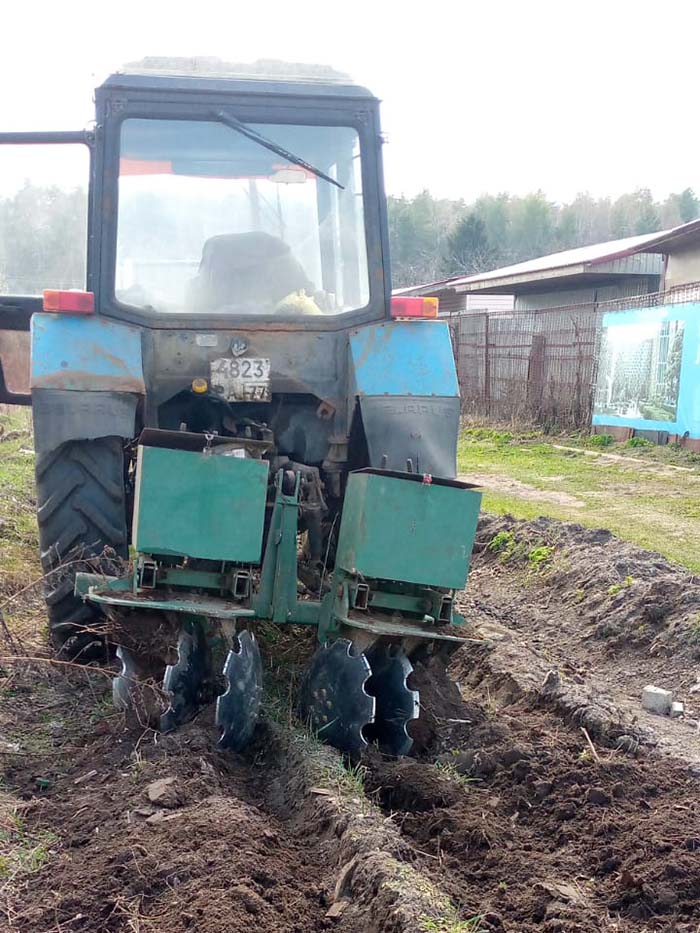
(183, 680)
(396, 704)
(333, 699)
(237, 709)
(134, 689)
(125, 681)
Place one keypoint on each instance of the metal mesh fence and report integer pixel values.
(539, 366)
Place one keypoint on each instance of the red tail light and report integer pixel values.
(414, 307)
(70, 302)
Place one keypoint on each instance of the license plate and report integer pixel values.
(241, 380)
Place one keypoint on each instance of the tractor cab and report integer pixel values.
(239, 199)
(200, 201)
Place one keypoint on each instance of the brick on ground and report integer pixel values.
(657, 700)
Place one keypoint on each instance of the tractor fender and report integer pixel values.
(404, 358)
(86, 378)
(404, 382)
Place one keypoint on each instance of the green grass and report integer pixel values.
(350, 779)
(618, 587)
(639, 442)
(502, 542)
(600, 440)
(539, 556)
(18, 532)
(450, 773)
(21, 852)
(637, 493)
(448, 925)
(693, 632)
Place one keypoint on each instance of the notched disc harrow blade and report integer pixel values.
(124, 683)
(397, 705)
(183, 680)
(333, 699)
(238, 707)
(135, 689)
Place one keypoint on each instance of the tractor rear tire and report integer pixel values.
(81, 511)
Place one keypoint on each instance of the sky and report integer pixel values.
(500, 95)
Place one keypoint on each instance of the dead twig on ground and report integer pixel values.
(96, 563)
(590, 744)
(9, 637)
(13, 435)
(54, 662)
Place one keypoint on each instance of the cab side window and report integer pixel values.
(43, 217)
(43, 243)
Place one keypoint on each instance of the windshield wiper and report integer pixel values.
(261, 140)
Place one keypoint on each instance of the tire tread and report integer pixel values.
(81, 511)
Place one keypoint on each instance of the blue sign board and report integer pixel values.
(649, 370)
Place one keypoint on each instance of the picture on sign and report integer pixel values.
(639, 370)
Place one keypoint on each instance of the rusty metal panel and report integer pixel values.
(14, 361)
(403, 358)
(85, 354)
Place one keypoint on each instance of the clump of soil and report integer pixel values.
(523, 821)
(444, 718)
(606, 618)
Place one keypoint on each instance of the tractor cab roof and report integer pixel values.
(212, 75)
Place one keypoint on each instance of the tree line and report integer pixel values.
(42, 232)
(435, 238)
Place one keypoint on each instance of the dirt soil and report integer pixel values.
(108, 827)
(559, 803)
(150, 830)
(511, 486)
(511, 817)
(606, 617)
(522, 824)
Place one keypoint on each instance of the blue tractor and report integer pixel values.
(234, 421)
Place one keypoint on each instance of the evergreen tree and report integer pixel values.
(688, 205)
(468, 249)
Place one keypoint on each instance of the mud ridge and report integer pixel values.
(585, 621)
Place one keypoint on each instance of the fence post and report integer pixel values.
(455, 327)
(487, 368)
(535, 374)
